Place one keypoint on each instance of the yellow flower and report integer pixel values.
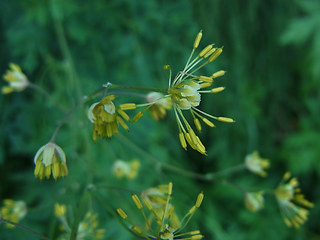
(161, 104)
(256, 164)
(60, 210)
(13, 211)
(254, 201)
(163, 223)
(50, 158)
(128, 170)
(16, 79)
(185, 92)
(106, 118)
(293, 205)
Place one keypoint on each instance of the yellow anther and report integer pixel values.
(170, 188)
(206, 79)
(128, 106)
(166, 67)
(225, 119)
(124, 115)
(205, 85)
(218, 74)
(205, 50)
(136, 201)
(197, 40)
(147, 203)
(137, 116)
(197, 124)
(197, 237)
(199, 199)
(209, 123)
(192, 210)
(209, 52)
(122, 213)
(122, 123)
(215, 55)
(216, 90)
(182, 141)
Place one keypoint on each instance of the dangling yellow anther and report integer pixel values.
(205, 85)
(137, 116)
(206, 79)
(218, 74)
(197, 237)
(128, 106)
(197, 40)
(199, 199)
(216, 90)
(124, 115)
(225, 119)
(136, 201)
(197, 124)
(205, 50)
(147, 204)
(215, 55)
(209, 52)
(122, 213)
(182, 140)
(209, 123)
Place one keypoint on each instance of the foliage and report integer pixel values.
(71, 48)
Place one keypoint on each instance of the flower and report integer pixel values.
(128, 170)
(256, 164)
(161, 104)
(254, 201)
(106, 117)
(60, 210)
(291, 201)
(166, 224)
(185, 92)
(87, 228)
(13, 211)
(16, 79)
(50, 158)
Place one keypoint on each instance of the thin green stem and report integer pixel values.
(2, 220)
(213, 176)
(116, 86)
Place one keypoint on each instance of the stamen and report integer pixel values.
(197, 40)
(218, 74)
(205, 50)
(215, 55)
(128, 106)
(225, 119)
(216, 90)
(122, 213)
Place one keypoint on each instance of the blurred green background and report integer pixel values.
(70, 48)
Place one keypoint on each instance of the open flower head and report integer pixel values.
(16, 79)
(163, 222)
(257, 164)
(161, 104)
(50, 158)
(106, 117)
(291, 201)
(123, 169)
(185, 91)
(254, 201)
(13, 211)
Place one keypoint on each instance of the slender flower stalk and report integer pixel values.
(163, 222)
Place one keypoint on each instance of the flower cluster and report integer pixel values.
(163, 222)
(16, 79)
(13, 211)
(106, 118)
(122, 169)
(50, 158)
(256, 164)
(291, 201)
(87, 228)
(254, 201)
